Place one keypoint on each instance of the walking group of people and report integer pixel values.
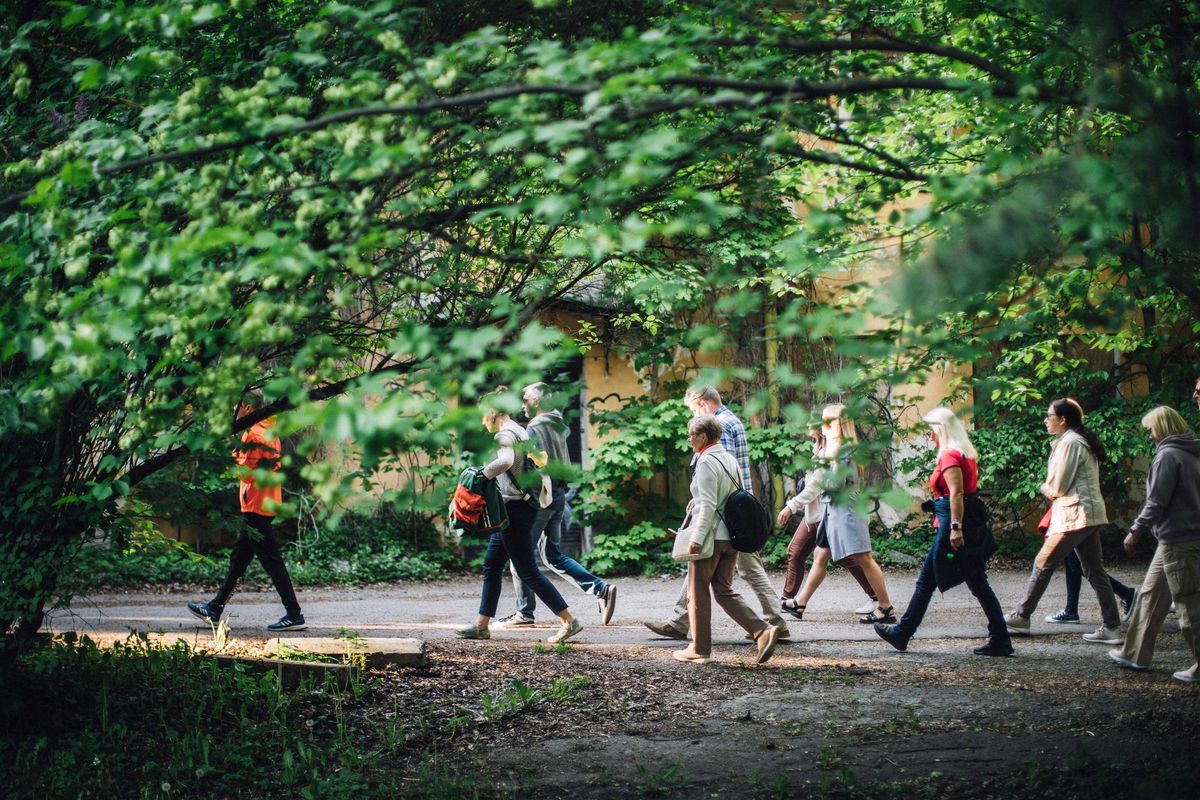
(830, 528)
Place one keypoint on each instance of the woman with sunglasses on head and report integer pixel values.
(843, 535)
(1171, 515)
(962, 540)
(808, 505)
(1077, 515)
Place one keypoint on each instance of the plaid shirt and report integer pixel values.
(733, 439)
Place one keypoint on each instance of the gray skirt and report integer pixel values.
(846, 530)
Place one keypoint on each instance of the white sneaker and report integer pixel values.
(1103, 635)
(1128, 663)
(1188, 675)
(867, 607)
(1017, 624)
(567, 630)
(516, 619)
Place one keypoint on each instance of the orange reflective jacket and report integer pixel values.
(260, 445)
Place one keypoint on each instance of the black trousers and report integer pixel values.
(258, 539)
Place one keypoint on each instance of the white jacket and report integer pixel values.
(714, 480)
(808, 502)
(1073, 485)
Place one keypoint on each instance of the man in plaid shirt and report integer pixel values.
(707, 400)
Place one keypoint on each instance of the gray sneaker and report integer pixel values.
(566, 631)
(1017, 624)
(1103, 635)
(473, 632)
(516, 619)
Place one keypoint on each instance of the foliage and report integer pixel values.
(644, 548)
(642, 440)
(143, 721)
(373, 547)
(363, 208)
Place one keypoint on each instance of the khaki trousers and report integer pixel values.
(750, 567)
(1086, 544)
(713, 577)
(1174, 573)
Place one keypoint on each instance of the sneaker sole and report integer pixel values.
(288, 628)
(203, 618)
(610, 604)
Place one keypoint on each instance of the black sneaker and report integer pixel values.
(206, 611)
(288, 623)
(1063, 617)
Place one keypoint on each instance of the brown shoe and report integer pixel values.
(666, 631)
(766, 644)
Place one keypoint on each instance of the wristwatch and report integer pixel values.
(956, 526)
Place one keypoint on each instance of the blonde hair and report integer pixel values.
(846, 426)
(1164, 421)
(952, 434)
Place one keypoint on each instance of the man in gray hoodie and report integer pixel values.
(1172, 515)
(549, 430)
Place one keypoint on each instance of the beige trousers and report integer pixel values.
(750, 566)
(713, 578)
(1174, 574)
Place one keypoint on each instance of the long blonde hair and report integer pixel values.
(952, 434)
(847, 431)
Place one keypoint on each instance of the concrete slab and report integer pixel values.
(372, 652)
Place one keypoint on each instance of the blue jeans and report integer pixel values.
(545, 535)
(977, 582)
(513, 544)
(1074, 572)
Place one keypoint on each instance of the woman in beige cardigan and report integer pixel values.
(712, 483)
(1077, 515)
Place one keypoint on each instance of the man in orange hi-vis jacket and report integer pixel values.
(260, 449)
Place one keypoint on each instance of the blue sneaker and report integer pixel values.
(288, 623)
(206, 611)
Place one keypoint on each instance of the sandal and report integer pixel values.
(888, 618)
(790, 606)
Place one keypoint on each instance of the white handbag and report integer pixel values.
(683, 541)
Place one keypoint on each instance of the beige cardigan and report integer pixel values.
(711, 485)
(1073, 485)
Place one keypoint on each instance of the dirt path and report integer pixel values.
(835, 713)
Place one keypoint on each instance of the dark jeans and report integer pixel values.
(545, 536)
(977, 582)
(1074, 571)
(266, 547)
(513, 543)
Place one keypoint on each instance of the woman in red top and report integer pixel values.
(962, 540)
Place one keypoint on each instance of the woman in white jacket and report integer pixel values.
(808, 505)
(1077, 515)
(712, 483)
(844, 536)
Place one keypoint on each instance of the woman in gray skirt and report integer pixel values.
(843, 535)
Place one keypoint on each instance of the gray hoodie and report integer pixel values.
(550, 431)
(1172, 510)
